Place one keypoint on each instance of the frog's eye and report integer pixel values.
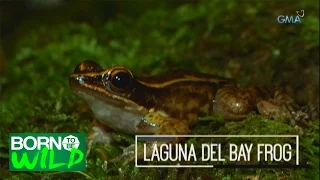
(120, 80)
(88, 66)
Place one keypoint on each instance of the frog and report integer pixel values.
(167, 104)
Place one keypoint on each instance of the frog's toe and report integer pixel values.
(127, 156)
(105, 166)
(270, 109)
(124, 158)
(312, 111)
(306, 114)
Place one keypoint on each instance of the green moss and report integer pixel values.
(236, 39)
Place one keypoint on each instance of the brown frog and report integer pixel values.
(167, 104)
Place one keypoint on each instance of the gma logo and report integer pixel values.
(288, 19)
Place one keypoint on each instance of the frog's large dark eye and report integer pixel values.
(88, 66)
(120, 79)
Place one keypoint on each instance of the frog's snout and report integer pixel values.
(84, 73)
(75, 82)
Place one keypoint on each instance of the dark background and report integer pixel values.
(43, 41)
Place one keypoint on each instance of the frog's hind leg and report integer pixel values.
(233, 103)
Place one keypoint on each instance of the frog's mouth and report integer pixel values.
(92, 87)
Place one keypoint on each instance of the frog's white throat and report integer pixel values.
(114, 113)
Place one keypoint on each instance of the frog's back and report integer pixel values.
(182, 95)
(159, 81)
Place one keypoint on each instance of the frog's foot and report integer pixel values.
(272, 110)
(302, 116)
(312, 110)
(306, 114)
(279, 105)
(129, 153)
(127, 156)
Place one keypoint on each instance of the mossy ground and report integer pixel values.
(235, 39)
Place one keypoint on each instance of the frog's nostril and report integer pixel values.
(88, 66)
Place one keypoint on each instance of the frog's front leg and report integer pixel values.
(99, 133)
(161, 124)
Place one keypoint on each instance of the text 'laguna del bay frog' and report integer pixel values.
(167, 104)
